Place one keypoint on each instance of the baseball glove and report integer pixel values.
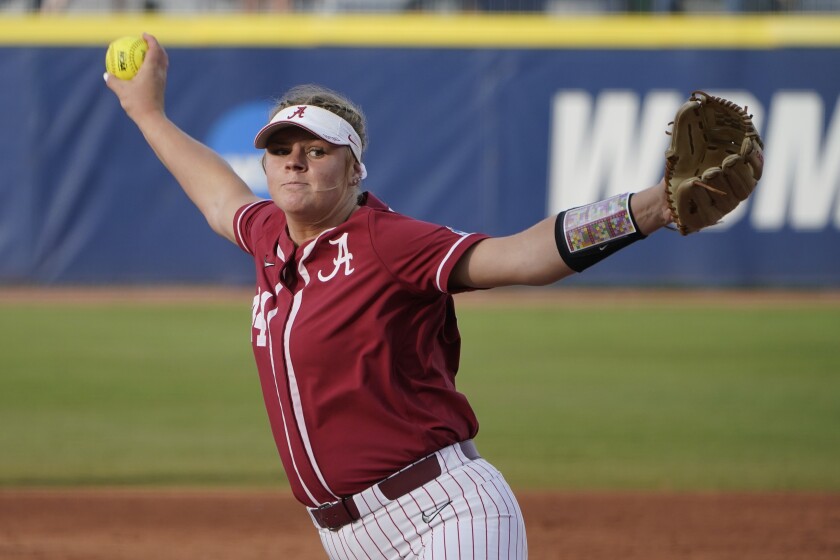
(714, 161)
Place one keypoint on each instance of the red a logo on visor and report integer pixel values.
(298, 113)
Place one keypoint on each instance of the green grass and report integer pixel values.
(659, 398)
(632, 398)
(131, 395)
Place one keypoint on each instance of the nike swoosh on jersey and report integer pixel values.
(266, 264)
(427, 517)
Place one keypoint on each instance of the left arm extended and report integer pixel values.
(531, 257)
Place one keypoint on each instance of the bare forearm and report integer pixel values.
(529, 258)
(206, 178)
(534, 256)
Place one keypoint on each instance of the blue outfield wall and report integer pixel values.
(481, 138)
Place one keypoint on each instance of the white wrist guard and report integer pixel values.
(588, 234)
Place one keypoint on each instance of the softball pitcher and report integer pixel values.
(353, 323)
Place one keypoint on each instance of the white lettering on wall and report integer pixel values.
(615, 143)
(802, 173)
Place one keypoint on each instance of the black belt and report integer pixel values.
(336, 515)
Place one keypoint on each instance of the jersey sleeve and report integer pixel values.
(248, 222)
(419, 254)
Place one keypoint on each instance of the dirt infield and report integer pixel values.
(191, 524)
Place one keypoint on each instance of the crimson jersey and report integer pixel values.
(356, 344)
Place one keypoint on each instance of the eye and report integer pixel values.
(315, 152)
(277, 150)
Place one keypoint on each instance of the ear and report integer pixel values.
(357, 172)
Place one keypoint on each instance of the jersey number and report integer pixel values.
(259, 319)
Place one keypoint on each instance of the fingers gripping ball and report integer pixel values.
(713, 163)
(124, 56)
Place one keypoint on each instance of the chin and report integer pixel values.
(290, 201)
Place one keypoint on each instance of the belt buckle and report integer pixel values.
(340, 514)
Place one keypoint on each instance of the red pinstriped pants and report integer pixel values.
(468, 512)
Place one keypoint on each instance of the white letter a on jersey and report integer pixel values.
(344, 257)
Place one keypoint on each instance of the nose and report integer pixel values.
(296, 159)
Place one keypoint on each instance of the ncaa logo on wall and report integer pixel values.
(232, 136)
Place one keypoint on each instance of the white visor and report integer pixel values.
(324, 124)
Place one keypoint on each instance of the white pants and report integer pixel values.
(468, 512)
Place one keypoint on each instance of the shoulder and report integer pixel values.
(394, 233)
(253, 221)
(418, 253)
(380, 214)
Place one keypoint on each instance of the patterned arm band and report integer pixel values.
(588, 234)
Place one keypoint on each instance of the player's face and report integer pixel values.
(308, 178)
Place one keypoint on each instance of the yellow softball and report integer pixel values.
(125, 55)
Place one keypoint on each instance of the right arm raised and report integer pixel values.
(206, 178)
